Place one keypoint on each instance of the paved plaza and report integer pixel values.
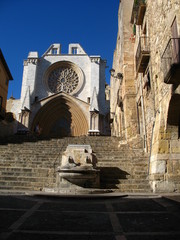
(105, 217)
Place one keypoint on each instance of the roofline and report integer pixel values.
(61, 93)
(5, 65)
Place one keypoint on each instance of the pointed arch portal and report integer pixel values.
(61, 117)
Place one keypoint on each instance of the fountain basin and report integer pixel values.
(84, 178)
(78, 168)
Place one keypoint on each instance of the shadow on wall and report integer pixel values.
(112, 177)
(8, 125)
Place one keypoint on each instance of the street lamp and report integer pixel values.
(117, 76)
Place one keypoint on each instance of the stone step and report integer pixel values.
(107, 151)
(123, 161)
(127, 186)
(120, 167)
(26, 175)
(24, 169)
(31, 186)
(21, 188)
(124, 171)
(134, 190)
(20, 152)
(125, 181)
(35, 157)
(32, 163)
(29, 165)
(26, 179)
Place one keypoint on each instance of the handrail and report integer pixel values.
(143, 47)
(170, 58)
(169, 46)
(137, 2)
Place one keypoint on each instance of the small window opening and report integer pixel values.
(36, 99)
(144, 30)
(147, 84)
(74, 50)
(54, 51)
(139, 115)
(148, 81)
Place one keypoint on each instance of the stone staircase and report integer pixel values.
(28, 163)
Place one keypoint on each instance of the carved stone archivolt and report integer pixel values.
(61, 116)
(64, 76)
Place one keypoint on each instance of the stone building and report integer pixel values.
(145, 85)
(6, 119)
(5, 76)
(63, 93)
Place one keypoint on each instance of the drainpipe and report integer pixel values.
(143, 115)
(151, 146)
(155, 113)
(152, 133)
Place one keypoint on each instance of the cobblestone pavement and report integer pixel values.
(117, 218)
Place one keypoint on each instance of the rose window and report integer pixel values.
(63, 79)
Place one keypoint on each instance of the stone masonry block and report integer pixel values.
(165, 136)
(155, 147)
(175, 178)
(158, 167)
(156, 177)
(163, 186)
(173, 167)
(163, 146)
(175, 146)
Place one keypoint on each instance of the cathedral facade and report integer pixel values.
(64, 94)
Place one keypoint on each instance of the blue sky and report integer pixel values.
(33, 25)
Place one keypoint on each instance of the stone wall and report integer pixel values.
(5, 76)
(157, 101)
(165, 152)
(123, 104)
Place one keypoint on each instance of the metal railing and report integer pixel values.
(171, 55)
(143, 48)
(138, 11)
(138, 2)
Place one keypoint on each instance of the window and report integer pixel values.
(74, 50)
(54, 51)
(147, 81)
(36, 99)
(140, 117)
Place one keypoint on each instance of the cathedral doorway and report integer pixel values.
(61, 117)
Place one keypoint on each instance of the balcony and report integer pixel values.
(139, 10)
(142, 54)
(171, 62)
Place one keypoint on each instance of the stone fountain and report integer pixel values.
(78, 169)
